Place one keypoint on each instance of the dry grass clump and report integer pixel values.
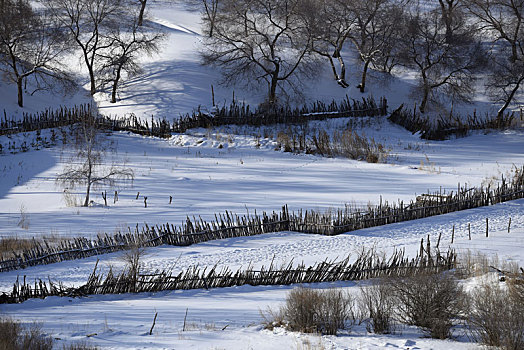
(347, 143)
(496, 316)
(9, 246)
(477, 264)
(429, 301)
(79, 346)
(314, 311)
(13, 336)
(377, 306)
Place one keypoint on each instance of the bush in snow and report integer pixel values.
(15, 337)
(430, 302)
(496, 316)
(323, 311)
(377, 305)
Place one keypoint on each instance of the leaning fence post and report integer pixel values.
(509, 224)
(453, 234)
(469, 231)
(104, 195)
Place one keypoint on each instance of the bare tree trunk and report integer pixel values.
(273, 89)
(342, 76)
(501, 111)
(362, 85)
(89, 176)
(92, 89)
(115, 84)
(447, 17)
(342, 70)
(142, 10)
(425, 96)
(274, 83)
(19, 82)
(331, 63)
(88, 190)
(333, 68)
(514, 53)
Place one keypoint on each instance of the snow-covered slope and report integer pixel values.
(237, 169)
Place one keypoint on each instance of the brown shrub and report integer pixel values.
(15, 337)
(496, 317)
(430, 302)
(323, 311)
(377, 303)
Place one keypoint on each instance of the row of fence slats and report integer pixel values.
(228, 225)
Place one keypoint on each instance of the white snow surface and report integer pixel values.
(209, 173)
(237, 169)
(230, 318)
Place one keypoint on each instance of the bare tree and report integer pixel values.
(210, 14)
(376, 27)
(30, 46)
(142, 12)
(502, 20)
(85, 21)
(330, 23)
(505, 81)
(444, 67)
(452, 16)
(87, 168)
(128, 41)
(260, 40)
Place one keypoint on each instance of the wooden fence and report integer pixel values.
(445, 126)
(228, 225)
(367, 265)
(239, 114)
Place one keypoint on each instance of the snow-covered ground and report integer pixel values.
(230, 318)
(204, 179)
(227, 318)
(237, 169)
(174, 82)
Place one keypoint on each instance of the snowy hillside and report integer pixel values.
(239, 169)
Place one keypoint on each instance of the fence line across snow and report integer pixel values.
(367, 264)
(228, 225)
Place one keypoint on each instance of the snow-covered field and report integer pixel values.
(225, 318)
(204, 179)
(238, 169)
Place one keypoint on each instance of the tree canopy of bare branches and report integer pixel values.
(444, 67)
(127, 42)
(85, 22)
(30, 46)
(87, 167)
(260, 41)
(502, 21)
(330, 23)
(376, 29)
